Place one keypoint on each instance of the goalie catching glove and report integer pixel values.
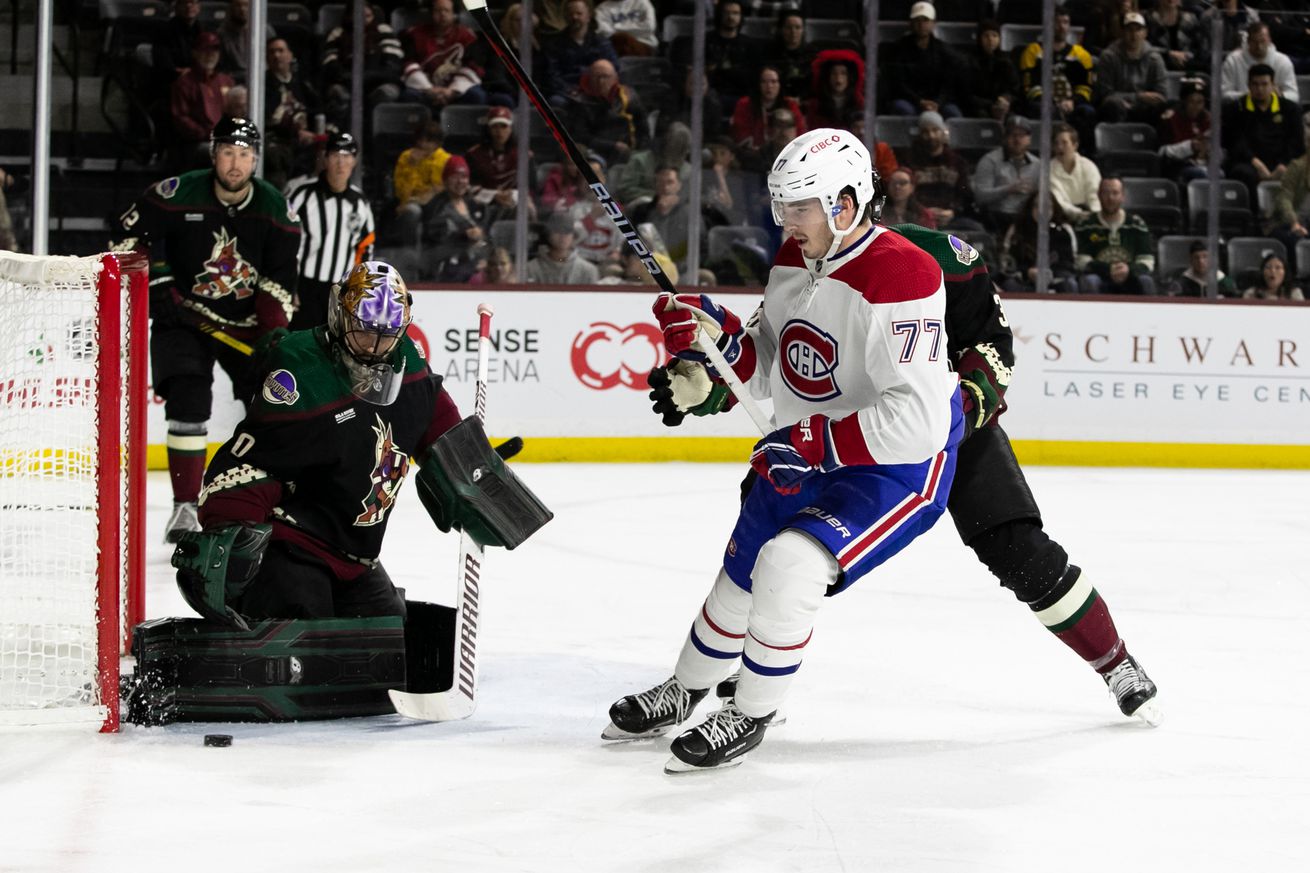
(465, 485)
(686, 387)
(215, 567)
(683, 316)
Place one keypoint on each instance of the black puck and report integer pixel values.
(218, 740)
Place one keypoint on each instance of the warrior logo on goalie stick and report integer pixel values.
(226, 272)
(386, 478)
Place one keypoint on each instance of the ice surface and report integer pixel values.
(934, 727)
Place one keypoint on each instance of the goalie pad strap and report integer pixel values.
(464, 484)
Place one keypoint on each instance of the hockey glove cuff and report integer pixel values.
(790, 455)
(683, 316)
(983, 380)
(685, 387)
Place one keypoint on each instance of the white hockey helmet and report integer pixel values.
(821, 164)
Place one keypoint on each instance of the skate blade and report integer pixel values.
(1149, 713)
(676, 766)
(615, 734)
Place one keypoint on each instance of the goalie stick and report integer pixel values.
(481, 15)
(459, 701)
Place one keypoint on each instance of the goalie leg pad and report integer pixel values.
(279, 670)
(464, 484)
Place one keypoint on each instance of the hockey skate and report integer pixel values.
(1134, 691)
(183, 519)
(652, 713)
(727, 689)
(719, 742)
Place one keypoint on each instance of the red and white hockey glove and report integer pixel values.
(681, 317)
(790, 455)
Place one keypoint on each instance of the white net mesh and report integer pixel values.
(49, 516)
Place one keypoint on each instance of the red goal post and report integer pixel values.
(73, 393)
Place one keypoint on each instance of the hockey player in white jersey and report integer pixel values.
(850, 345)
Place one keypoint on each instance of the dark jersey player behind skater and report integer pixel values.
(222, 246)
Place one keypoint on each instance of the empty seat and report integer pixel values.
(1124, 137)
(1157, 201)
(676, 26)
(1128, 163)
(213, 12)
(898, 131)
(404, 17)
(890, 31)
(462, 126)
(149, 9)
(829, 29)
(329, 17)
(1303, 258)
(959, 33)
(290, 14)
(1014, 36)
(1266, 196)
(639, 71)
(1234, 206)
(394, 127)
(758, 28)
(722, 238)
(974, 137)
(1246, 253)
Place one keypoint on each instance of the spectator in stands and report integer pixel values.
(498, 271)
(8, 240)
(1185, 135)
(791, 56)
(443, 61)
(290, 106)
(902, 206)
(725, 191)
(1259, 49)
(753, 114)
(781, 132)
(919, 72)
(170, 53)
(1072, 78)
(563, 186)
(457, 227)
(1193, 280)
(1131, 76)
(558, 262)
(384, 60)
(1075, 180)
(494, 162)
(236, 102)
(1237, 17)
(838, 85)
(941, 174)
(678, 114)
(1006, 177)
(669, 212)
(629, 25)
(235, 34)
(572, 52)
(1273, 282)
(991, 74)
(606, 114)
(884, 157)
(417, 180)
(1177, 34)
(1291, 211)
(500, 86)
(1018, 262)
(196, 104)
(731, 57)
(1262, 132)
(1116, 253)
(634, 272)
(1105, 23)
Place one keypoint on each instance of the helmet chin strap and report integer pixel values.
(838, 237)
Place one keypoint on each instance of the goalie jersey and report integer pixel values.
(315, 461)
(863, 342)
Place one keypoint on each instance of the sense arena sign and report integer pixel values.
(1096, 381)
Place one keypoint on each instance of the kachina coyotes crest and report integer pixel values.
(386, 478)
(226, 272)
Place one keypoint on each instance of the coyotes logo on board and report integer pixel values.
(808, 358)
(226, 272)
(386, 478)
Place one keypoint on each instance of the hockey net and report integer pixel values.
(72, 460)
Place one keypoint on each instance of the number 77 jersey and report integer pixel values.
(860, 339)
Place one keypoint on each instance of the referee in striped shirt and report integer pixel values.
(337, 229)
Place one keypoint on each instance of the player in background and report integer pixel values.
(993, 508)
(849, 345)
(301, 493)
(222, 246)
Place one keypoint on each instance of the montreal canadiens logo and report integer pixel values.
(280, 387)
(809, 361)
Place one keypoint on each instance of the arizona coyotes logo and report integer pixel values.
(809, 361)
(386, 478)
(226, 272)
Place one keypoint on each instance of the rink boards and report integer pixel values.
(1097, 381)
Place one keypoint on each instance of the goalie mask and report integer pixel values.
(367, 317)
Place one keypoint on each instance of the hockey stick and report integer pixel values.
(459, 701)
(481, 15)
(226, 339)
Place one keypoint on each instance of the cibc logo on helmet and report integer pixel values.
(605, 355)
(823, 144)
(808, 361)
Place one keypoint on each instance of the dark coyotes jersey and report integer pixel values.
(323, 466)
(231, 266)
